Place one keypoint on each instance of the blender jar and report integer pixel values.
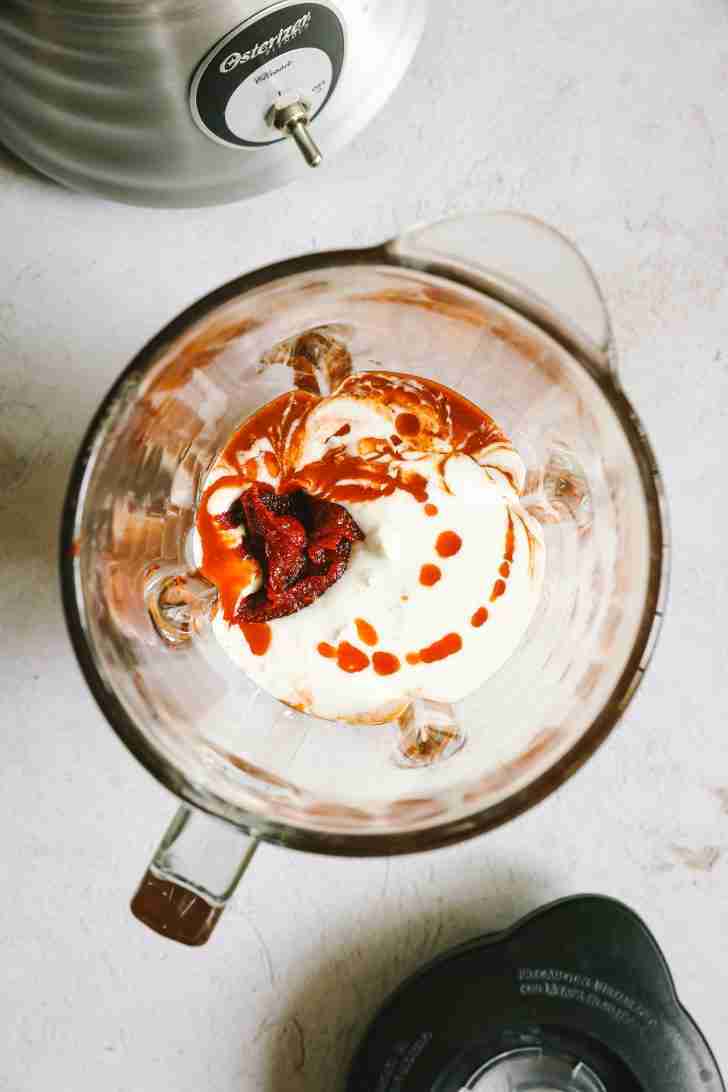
(497, 306)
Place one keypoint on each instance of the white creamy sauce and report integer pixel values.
(382, 585)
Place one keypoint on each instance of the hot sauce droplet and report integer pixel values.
(480, 616)
(448, 543)
(258, 636)
(498, 588)
(385, 663)
(438, 650)
(407, 424)
(343, 431)
(350, 658)
(429, 575)
(505, 567)
(367, 633)
(510, 540)
(327, 650)
(431, 509)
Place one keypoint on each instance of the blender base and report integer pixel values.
(577, 997)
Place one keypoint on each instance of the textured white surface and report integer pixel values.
(608, 121)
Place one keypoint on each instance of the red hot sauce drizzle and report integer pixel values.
(441, 414)
(505, 568)
(510, 541)
(226, 568)
(352, 660)
(438, 650)
(498, 588)
(298, 537)
(345, 479)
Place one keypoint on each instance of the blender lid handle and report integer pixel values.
(526, 264)
(193, 873)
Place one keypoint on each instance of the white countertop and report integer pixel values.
(610, 122)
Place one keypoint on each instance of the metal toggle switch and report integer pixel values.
(292, 119)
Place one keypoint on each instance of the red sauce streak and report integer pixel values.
(385, 663)
(510, 540)
(438, 650)
(448, 543)
(271, 464)
(345, 478)
(407, 424)
(258, 636)
(429, 575)
(351, 659)
(498, 588)
(438, 412)
(226, 568)
(431, 509)
(505, 567)
(447, 414)
(480, 616)
(367, 633)
(280, 421)
(327, 650)
(343, 431)
(251, 469)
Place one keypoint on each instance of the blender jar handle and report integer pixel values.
(195, 870)
(525, 264)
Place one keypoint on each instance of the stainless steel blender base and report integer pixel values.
(167, 104)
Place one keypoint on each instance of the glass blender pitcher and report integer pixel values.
(499, 307)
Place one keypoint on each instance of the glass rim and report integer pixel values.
(372, 842)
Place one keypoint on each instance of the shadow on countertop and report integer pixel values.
(313, 1044)
(11, 166)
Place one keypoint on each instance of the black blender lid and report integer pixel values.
(575, 997)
